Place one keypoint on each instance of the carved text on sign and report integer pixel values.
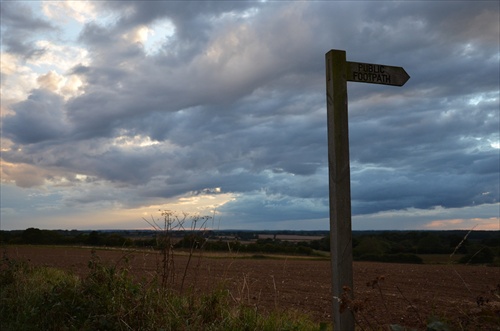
(376, 74)
(371, 73)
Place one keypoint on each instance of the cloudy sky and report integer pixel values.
(113, 110)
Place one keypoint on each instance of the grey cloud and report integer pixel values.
(375, 190)
(37, 119)
(20, 16)
(194, 82)
(18, 24)
(253, 120)
(189, 18)
(96, 35)
(193, 21)
(262, 207)
(184, 182)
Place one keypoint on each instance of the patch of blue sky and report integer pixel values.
(157, 36)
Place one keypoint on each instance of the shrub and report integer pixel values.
(482, 255)
(41, 298)
(371, 246)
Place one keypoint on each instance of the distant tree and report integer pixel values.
(458, 242)
(4, 237)
(431, 243)
(94, 239)
(322, 244)
(493, 242)
(117, 240)
(403, 246)
(304, 250)
(371, 246)
(478, 255)
(191, 241)
(32, 236)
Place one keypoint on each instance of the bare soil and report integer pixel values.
(465, 297)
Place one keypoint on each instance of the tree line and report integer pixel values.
(388, 246)
(472, 246)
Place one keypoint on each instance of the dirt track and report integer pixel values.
(406, 294)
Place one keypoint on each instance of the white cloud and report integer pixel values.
(52, 68)
(135, 141)
(137, 35)
(50, 81)
(81, 11)
(60, 58)
(17, 81)
(152, 38)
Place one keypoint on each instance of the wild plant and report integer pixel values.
(108, 298)
(169, 222)
(198, 224)
(165, 228)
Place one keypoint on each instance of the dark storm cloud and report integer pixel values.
(393, 189)
(246, 124)
(21, 17)
(39, 118)
(199, 81)
(239, 103)
(193, 22)
(192, 19)
(18, 24)
(264, 207)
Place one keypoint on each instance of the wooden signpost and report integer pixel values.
(338, 72)
(376, 74)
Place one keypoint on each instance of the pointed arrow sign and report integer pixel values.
(376, 74)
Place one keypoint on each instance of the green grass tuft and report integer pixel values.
(42, 298)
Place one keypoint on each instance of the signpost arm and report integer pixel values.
(340, 187)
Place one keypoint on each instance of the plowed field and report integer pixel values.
(464, 296)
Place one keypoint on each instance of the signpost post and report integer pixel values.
(338, 72)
